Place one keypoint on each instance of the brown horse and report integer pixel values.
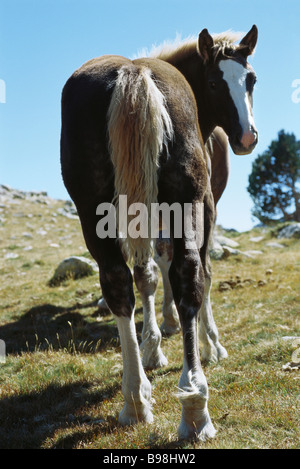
(218, 151)
(131, 128)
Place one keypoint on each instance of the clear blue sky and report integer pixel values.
(43, 41)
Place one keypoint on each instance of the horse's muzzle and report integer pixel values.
(244, 144)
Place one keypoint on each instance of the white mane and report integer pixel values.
(170, 50)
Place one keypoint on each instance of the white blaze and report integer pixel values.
(235, 76)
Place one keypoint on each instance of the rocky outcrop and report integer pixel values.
(10, 196)
(289, 231)
(73, 267)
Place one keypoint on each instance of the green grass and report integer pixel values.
(60, 386)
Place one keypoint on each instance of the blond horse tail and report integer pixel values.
(138, 127)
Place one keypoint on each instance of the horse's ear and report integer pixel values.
(249, 41)
(205, 45)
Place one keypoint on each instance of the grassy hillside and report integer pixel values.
(60, 386)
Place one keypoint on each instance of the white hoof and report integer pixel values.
(209, 354)
(131, 414)
(153, 356)
(222, 352)
(154, 360)
(212, 353)
(201, 431)
(195, 421)
(170, 327)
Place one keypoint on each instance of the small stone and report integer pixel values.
(41, 232)
(224, 286)
(290, 231)
(230, 251)
(275, 245)
(216, 253)
(261, 283)
(252, 253)
(224, 241)
(11, 255)
(27, 235)
(73, 267)
(256, 239)
(248, 281)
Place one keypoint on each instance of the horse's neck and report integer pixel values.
(193, 70)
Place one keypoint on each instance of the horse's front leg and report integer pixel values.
(212, 350)
(146, 280)
(187, 280)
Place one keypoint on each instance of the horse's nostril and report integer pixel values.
(248, 139)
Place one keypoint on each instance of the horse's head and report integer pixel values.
(229, 82)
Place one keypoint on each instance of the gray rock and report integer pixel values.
(73, 267)
(256, 239)
(291, 338)
(290, 231)
(224, 241)
(228, 251)
(253, 252)
(11, 255)
(67, 213)
(27, 235)
(216, 253)
(274, 245)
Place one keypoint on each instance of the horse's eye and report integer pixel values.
(212, 84)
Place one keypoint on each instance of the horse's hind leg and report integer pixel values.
(146, 279)
(135, 385)
(187, 280)
(117, 288)
(163, 257)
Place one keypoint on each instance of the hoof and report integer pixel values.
(213, 353)
(153, 356)
(130, 415)
(168, 328)
(199, 429)
(202, 432)
(222, 352)
(209, 355)
(154, 360)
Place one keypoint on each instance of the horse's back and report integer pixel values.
(177, 91)
(86, 94)
(86, 97)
